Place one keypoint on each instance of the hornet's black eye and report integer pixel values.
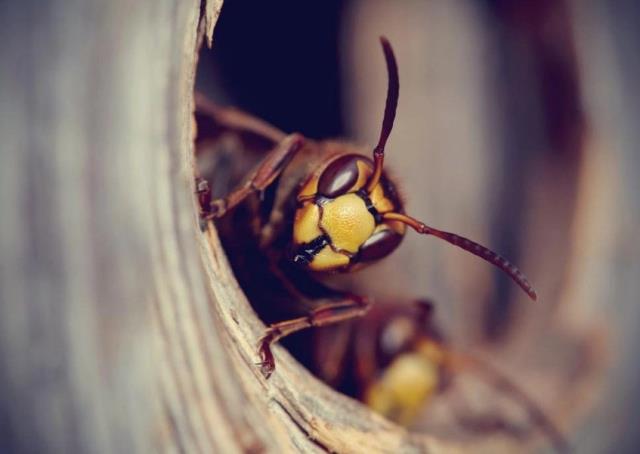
(379, 245)
(340, 176)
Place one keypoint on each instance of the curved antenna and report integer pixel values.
(393, 91)
(470, 246)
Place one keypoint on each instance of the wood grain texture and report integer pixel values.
(95, 113)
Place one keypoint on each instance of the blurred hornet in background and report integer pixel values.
(395, 359)
(306, 209)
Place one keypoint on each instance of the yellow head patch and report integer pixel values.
(347, 222)
(338, 219)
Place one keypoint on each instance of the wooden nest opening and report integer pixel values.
(295, 411)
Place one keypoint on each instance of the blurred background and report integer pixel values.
(517, 127)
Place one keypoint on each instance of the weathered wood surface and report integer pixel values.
(96, 223)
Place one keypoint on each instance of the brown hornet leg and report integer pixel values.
(350, 307)
(268, 170)
(232, 119)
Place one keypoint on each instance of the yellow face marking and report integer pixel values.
(305, 225)
(328, 259)
(310, 188)
(364, 172)
(382, 203)
(348, 222)
(404, 388)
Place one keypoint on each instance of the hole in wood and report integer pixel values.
(447, 392)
